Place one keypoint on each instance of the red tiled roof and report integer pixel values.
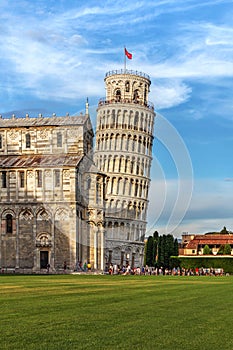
(210, 240)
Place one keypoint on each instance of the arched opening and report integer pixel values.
(59, 139)
(118, 95)
(9, 223)
(98, 190)
(136, 95)
(88, 184)
(28, 140)
(113, 119)
(136, 119)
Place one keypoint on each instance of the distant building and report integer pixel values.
(194, 244)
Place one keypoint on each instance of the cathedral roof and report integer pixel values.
(42, 121)
(37, 161)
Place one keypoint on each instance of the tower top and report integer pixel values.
(127, 72)
(127, 86)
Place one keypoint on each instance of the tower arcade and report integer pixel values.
(124, 138)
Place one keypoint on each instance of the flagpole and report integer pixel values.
(124, 61)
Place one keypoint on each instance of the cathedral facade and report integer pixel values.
(61, 204)
(50, 212)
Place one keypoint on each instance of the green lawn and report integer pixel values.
(65, 312)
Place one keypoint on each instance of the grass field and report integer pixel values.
(65, 312)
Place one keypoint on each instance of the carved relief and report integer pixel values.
(13, 135)
(43, 134)
(26, 215)
(66, 173)
(43, 215)
(43, 240)
(12, 174)
(62, 214)
(48, 173)
(30, 174)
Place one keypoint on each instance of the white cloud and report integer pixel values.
(210, 208)
(54, 52)
(170, 93)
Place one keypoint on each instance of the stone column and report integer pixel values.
(17, 265)
(102, 264)
(95, 233)
(51, 262)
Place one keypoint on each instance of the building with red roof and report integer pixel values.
(194, 244)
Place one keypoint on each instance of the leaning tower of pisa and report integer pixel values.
(124, 137)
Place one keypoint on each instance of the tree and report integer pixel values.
(221, 250)
(156, 238)
(206, 250)
(150, 258)
(161, 250)
(227, 249)
(151, 250)
(176, 247)
(167, 247)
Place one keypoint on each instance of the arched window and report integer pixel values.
(98, 191)
(88, 184)
(132, 166)
(126, 165)
(59, 139)
(113, 119)
(136, 96)
(107, 185)
(28, 140)
(136, 118)
(114, 163)
(9, 226)
(4, 179)
(21, 179)
(119, 165)
(127, 86)
(57, 178)
(118, 95)
(39, 178)
(136, 189)
(140, 190)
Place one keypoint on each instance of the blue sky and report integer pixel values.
(55, 53)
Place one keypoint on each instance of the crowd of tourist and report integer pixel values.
(127, 270)
(114, 269)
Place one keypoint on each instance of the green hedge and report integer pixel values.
(191, 262)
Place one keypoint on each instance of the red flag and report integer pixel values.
(128, 54)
